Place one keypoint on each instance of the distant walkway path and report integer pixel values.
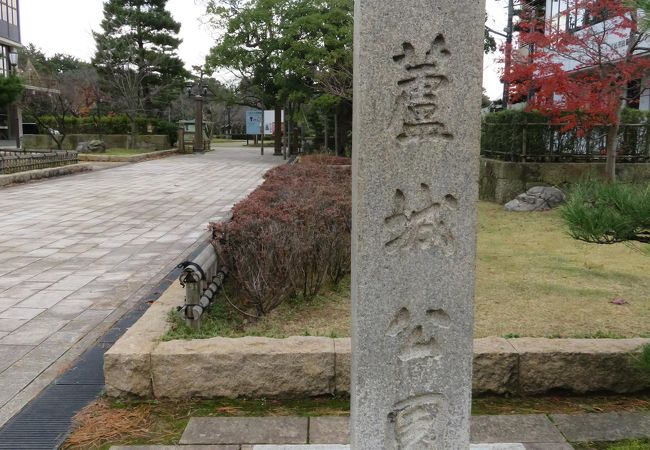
(77, 252)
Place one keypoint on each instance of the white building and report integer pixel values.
(563, 15)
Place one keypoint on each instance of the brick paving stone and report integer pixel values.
(603, 426)
(44, 299)
(347, 447)
(9, 325)
(68, 309)
(6, 303)
(534, 428)
(87, 320)
(329, 430)
(246, 430)
(175, 447)
(72, 282)
(21, 313)
(34, 332)
(297, 447)
(557, 446)
(100, 244)
(22, 292)
(9, 354)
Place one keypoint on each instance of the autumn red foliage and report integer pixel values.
(579, 76)
(289, 236)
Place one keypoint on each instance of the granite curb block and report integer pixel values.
(253, 430)
(599, 427)
(31, 175)
(295, 367)
(176, 447)
(141, 364)
(535, 428)
(320, 447)
(134, 158)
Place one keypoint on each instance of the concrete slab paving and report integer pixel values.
(175, 447)
(554, 446)
(78, 252)
(9, 354)
(535, 428)
(246, 430)
(329, 430)
(347, 447)
(603, 426)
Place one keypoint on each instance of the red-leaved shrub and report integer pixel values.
(290, 235)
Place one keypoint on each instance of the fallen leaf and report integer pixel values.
(619, 301)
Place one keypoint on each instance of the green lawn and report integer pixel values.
(532, 280)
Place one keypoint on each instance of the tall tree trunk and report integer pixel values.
(278, 130)
(326, 131)
(337, 140)
(130, 142)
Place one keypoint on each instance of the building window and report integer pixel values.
(9, 11)
(567, 15)
(4, 60)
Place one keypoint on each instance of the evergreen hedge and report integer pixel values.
(112, 124)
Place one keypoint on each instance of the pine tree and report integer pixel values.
(141, 36)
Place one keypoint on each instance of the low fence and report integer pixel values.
(202, 279)
(21, 161)
(541, 142)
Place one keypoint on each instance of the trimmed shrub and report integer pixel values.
(326, 160)
(290, 236)
(608, 213)
(112, 124)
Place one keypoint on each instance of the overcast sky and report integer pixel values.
(65, 26)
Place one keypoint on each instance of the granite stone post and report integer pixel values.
(417, 92)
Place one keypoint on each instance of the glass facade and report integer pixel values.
(565, 15)
(9, 11)
(10, 20)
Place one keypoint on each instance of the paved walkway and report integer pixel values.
(505, 432)
(77, 252)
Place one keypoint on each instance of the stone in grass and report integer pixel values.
(94, 146)
(538, 198)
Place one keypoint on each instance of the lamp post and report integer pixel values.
(13, 62)
(198, 90)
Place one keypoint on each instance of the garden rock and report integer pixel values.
(94, 146)
(538, 198)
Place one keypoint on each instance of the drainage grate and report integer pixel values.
(89, 369)
(44, 423)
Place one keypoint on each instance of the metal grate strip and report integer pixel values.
(45, 423)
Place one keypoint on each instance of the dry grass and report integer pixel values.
(105, 422)
(324, 315)
(532, 280)
(99, 423)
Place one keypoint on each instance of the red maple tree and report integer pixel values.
(579, 65)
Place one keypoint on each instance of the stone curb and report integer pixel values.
(135, 158)
(30, 175)
(141, 364)
(488, 432)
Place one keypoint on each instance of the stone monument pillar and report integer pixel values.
(417, 96)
